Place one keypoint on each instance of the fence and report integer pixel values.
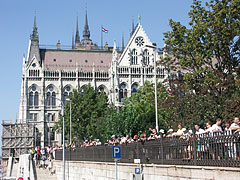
(194, 150)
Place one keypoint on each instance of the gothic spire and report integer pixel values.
(72, 40)
(122, 41)
(132, 27)
(86, 32)
(77, 37)
(34, 35)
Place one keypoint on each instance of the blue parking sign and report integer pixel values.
(116, 152)
(137, 170)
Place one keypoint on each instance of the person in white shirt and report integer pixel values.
(179, 132)
(208, 129)
(198, 130)
(216, 128)
(235, 125)
(218, 145)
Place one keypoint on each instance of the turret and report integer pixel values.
(86, 31)
(77, 37)
(34, 43)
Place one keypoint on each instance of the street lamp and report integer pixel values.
(63, 137)
(154, 47)
(68, 99)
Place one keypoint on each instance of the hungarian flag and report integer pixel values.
(104, 30)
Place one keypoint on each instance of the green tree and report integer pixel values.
(88, 108)
(208, 53)
(138, 112)
(209, 48)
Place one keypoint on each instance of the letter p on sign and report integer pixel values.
(116, 152)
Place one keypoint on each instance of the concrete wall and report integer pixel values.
(106, 171)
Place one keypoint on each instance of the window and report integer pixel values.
(134, 57)
(67, 93)
(50, 96)
(32, 117)
(30, 98)
(48, 99)
(134, 88)
(86, 61)
(101, 61)
(146, 57)
(53, 99)
(122, 92)
(50, 117)
(54, 60)
(70, 60)
(139, 41)
(36, 99)
(35, 117)
(102, 89)
(33, 96)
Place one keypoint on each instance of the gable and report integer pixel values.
(136, 45)
(33, 64)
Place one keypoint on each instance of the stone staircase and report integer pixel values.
(44, 174)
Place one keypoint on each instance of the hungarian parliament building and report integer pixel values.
(49, 75)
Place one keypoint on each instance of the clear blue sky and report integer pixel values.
(56, 20)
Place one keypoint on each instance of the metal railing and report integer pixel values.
(221, 150)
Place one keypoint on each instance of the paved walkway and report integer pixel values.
(45, 174)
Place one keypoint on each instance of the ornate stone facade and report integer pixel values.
(50, 75)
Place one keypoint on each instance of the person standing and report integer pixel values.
(235, 125)
(219, 145)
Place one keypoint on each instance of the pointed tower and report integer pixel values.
(132, 27)
(122, 41)
(86, 42)
(34, 36)
(73, 41)
(86, 31)
(77, 37)
(34, 43)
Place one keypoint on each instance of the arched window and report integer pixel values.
(134, 88)
(122, 92)
(48, 99)
(51, 96)
(31, 99)
(33, 96)
(146, 57)
(67, 93)
(102, 88)
(134, 58)
(82, 89)
(36, 99)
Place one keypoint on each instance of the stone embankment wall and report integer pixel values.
(106, 171)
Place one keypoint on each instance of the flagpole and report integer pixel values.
(101, 37)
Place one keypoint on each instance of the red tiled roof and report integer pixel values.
(71, 59)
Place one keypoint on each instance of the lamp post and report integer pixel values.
(154, 47)
(63, 138)
(70, 121)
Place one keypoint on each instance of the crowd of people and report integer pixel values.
(216, 149)
(40, 155)
(208, 130)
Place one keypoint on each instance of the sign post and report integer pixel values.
(116, 155)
